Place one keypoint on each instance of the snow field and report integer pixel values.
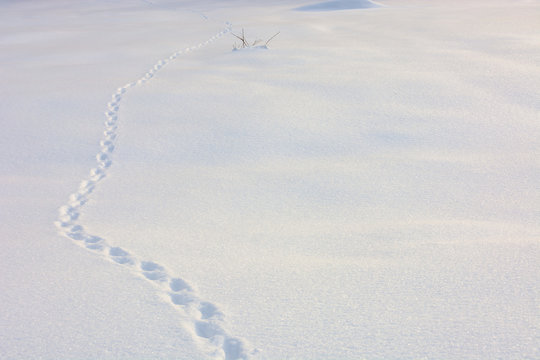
(364, 189)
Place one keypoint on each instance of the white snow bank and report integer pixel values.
(339, 5)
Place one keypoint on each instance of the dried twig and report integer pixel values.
(246, 44)
(267, 41)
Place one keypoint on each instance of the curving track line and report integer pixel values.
(199, 317)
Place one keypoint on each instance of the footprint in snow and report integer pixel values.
(92, 239)
(93, 242)
(207, 330)
(75, 235)
(86, 187)
(120, 256)
(153, 271)
(183, 298)
(178, 284)
(68, 214)
(96, 175)
(210, 311)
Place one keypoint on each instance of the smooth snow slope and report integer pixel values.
(339, 5)
(367, 188)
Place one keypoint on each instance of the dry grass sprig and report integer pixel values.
(246, 44)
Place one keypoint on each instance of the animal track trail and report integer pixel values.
(200, 317)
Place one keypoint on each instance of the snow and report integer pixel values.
(366, 188)
(339, 5)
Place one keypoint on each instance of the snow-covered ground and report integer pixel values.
(366, 188)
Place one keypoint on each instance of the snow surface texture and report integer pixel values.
(366, 189)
